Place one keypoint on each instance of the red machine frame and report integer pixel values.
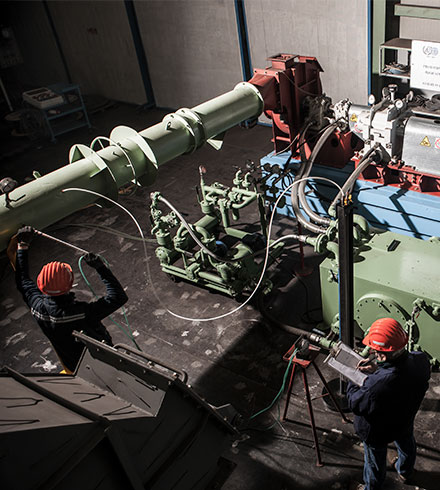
(402, 176)
(284, 86)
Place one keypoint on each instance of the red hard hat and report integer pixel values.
(55, 278)
(386, 335)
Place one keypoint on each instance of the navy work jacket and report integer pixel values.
(387, 403)
(59, 316)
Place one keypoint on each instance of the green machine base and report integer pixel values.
(394, 276)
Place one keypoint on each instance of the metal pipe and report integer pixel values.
(333, 247)
(302, 220)
(40, 203)
(67, 244)
(362, 223)
(322, 341)
(209, 276)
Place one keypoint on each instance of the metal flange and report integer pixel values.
(371, 307)
(189, 120)
(121, 133)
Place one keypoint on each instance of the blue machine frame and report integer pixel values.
(387, 207)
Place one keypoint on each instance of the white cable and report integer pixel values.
(88, 191)
(105, 229)
(266, 258)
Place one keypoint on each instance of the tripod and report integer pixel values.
(302, 365)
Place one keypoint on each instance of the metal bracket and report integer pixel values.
(121, 133)
(78, 152)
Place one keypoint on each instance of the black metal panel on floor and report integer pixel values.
(119, 422)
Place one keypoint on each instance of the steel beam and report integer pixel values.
(345, 274)
(378, 37)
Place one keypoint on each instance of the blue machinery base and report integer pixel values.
(387, 207)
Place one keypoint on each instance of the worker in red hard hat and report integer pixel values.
(54, 306)
(386, 404)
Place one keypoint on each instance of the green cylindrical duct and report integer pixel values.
(131, 156)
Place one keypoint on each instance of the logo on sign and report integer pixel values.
(430, 51)
(437, 143)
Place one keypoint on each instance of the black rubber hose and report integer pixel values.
(349, 183)
(274, 321)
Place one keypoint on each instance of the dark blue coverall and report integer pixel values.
(385, 408)
(59, 316)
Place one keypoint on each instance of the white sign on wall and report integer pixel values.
(425, 65)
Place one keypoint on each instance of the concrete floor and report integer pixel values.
(235, 360)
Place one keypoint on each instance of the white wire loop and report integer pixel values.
(266, 257)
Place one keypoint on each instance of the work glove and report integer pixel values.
(93, 260)
(25, 234)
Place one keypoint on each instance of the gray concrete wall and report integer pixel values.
(99, 49)
(334, 31)
(42, 63)
(192, 49)
(192, 46)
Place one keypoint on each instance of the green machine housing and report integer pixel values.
(395, 276)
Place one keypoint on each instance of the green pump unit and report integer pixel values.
(226, 258)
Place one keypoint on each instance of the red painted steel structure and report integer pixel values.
(290, 79)
(402, 176)
(285, 85)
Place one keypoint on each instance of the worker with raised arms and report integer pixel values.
(386, 404)
(54, 306)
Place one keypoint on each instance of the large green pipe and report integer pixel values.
(131, 156)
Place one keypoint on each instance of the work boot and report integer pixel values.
(356, 486)
(404, 479)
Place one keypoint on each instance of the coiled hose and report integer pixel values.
(294, 195)
(307, 169)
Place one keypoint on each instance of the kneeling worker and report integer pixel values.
(387, 403)
(55, 308)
